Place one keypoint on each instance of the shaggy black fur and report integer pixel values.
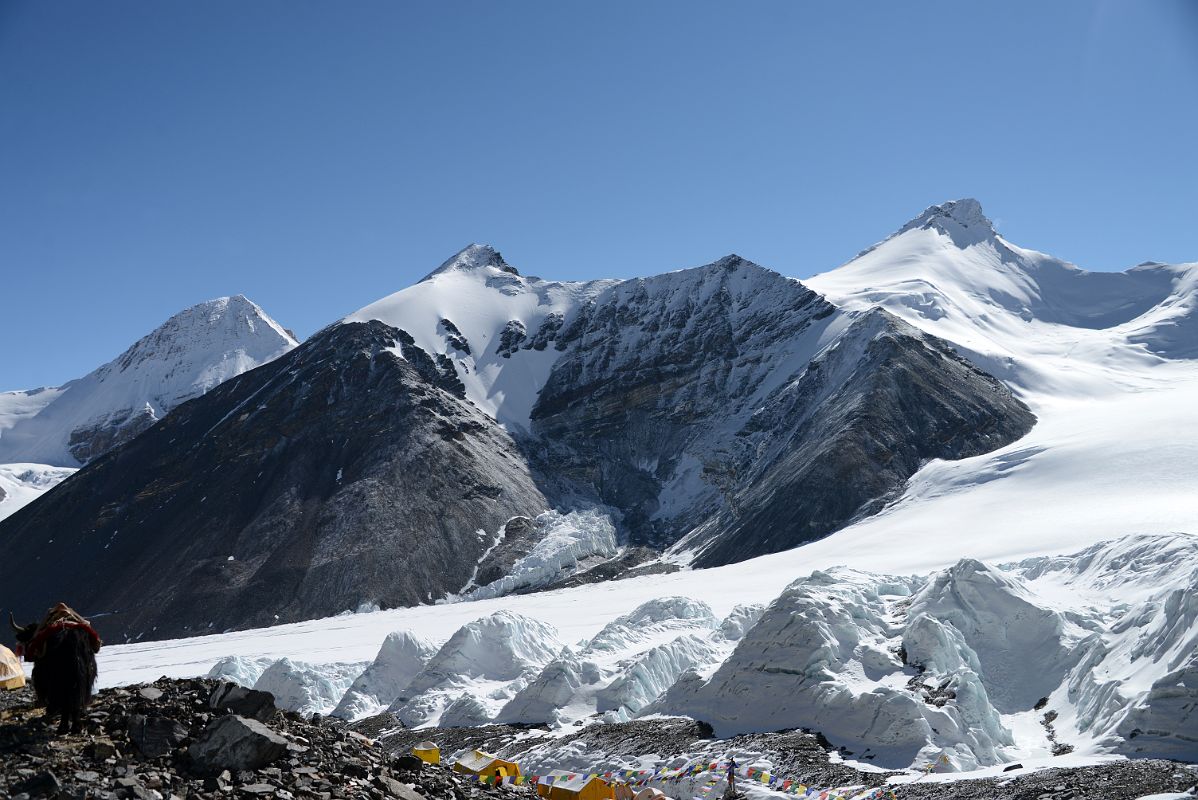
(64, 677)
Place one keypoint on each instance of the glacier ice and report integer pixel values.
(496, 651)
(399, 660)
(307, 688)
(563, 541)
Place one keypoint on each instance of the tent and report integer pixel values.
(427, 752)
(650, 793)
(560, 785)
(476, 762)
(12, 675)
(622, 790)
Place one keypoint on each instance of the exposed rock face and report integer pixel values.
(242, 701)
(737, 402)
(155, 737)
(350, 470)
(98, 436)
(844, 437)
(654, 375)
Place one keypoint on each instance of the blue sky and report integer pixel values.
(317, 156)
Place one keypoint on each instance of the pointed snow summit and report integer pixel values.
(186, 356)
(473, 257)
(963, 220)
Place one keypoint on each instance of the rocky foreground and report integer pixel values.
(207, 739)
(204, 739)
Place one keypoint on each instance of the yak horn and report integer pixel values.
(13, 621)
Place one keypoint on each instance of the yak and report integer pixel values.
(63, 650)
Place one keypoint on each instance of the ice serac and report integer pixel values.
(543, 699)
(663, 614)
(624, 667)
(307, 688)
(186, 356)
(350, 470)
(399, 660)
(823, 654)
(559, 546)
(646, 678)
(1134, 688)
(1000, 621)
(485, 662)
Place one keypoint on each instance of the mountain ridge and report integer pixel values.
(627, 397)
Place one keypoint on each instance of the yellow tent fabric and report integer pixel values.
(427, 752)
(579, 787)
(12, 676)
(476, 762)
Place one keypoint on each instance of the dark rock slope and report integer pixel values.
(338, 475)
(843, 438)
(740, 405)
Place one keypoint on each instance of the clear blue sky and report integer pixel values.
(317, 156)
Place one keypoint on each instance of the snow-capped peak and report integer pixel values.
(229, 323)
(961, 220)
(496, 325)
(473, 257)
(182, 358)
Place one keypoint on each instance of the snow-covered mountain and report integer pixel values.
(1038, 322)
(1105, 360)
(664, 397)
(435, 434)
(184, 357)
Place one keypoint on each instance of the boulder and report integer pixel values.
(155, 737)
(101, 748)
(407, 763)
(393, 788)
(235, 743)
(244, 702)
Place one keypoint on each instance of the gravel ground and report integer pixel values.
(137, 743)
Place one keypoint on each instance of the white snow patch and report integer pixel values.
(21, 484)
